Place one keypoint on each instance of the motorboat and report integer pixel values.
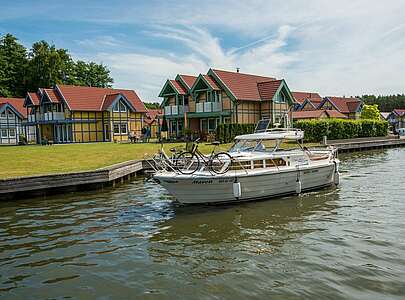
(258, 166)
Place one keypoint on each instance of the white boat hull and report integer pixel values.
(254, 185)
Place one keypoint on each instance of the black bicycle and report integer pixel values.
(189, 162)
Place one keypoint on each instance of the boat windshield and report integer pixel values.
(255, 146)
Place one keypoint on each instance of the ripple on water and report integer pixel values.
(134, 242)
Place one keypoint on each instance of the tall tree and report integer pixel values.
(48, 66)
(13, 61)
(91, 74)
(370, 112)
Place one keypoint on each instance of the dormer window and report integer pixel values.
(119, 107)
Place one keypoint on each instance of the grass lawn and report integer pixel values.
(19, 161)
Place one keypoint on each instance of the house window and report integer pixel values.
(12, 132)
(120, 128)
(4, 133)
(123, 108)
(119, 107)
(124, 128)
(116, 128)
(3, 115)
(281, 98)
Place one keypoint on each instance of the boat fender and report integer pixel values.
(298, 187)
(336, 175)
(237, 192)
(336, 178)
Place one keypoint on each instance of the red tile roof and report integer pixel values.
(152, 115)
(301, 96)
(17, 103)
(211, 82)
(53, 95)
(316, 114)
(345, 105)
(315, 104)
(108, 100)
(35, 98)
(243, 86)
(92, 98)
(180, 89)
(268, 89)
(188, 79)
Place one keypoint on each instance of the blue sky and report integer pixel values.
(331, 47)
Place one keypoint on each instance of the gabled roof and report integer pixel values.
(242, 86)
(179, 88)
(268, 89)
(35, 98)
(314, 103)
(52, 95)
(399, 112)
(343, 104)
(81, 98)
(316, 114)
(211, 82)
(17, 104)
(188, 80)
(153, 114)
(301, 96)
(384, 115)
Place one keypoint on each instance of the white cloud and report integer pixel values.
(334, 47)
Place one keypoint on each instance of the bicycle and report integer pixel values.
(189, 162)
(164, 161)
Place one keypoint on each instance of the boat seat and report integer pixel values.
(313, 157)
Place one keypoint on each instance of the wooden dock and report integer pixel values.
(25, 187)
(363, 144)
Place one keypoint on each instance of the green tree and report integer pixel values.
(91, 74)
(13, 61)
(370, 112)
(152, 105)
(48, 66)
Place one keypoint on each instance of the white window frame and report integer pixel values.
(122, 105)
(116, 107)
(2, 131)
(3, 115)
(118, 131)
(12, 135)
(126, 128)
(120, 126)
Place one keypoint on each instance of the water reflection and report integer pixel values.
(135, 242)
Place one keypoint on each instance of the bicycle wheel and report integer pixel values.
(187, 163)
(221, 162)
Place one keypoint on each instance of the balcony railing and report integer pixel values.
(173, 110)
(48, 116)
(208, 107)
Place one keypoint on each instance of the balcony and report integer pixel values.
(174, 110)
(208, 107)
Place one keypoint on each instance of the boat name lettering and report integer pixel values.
(202, 181)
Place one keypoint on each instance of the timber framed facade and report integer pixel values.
(75, 114)
(200, 103)
(12, 116)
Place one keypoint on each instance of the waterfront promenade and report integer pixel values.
(58, 180)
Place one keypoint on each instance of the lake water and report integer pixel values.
(133, 242)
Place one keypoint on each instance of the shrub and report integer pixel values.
(341, 129)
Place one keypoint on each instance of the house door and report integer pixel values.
(107, 132)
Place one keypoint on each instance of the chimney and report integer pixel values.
(237, 70)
